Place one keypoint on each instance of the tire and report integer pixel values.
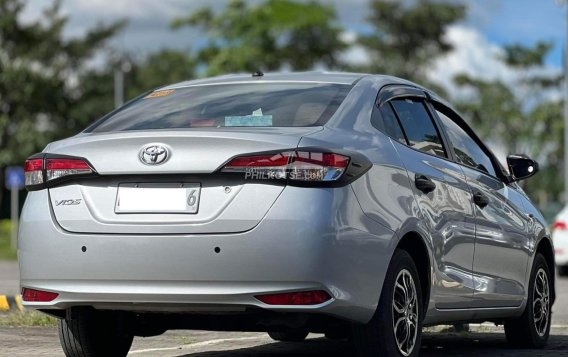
(289, 336)
(528, 331)
(396, 310)
(93, 334)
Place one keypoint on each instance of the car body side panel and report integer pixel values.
(537, 232)
(448, 214)
(501, 243)
(384, 192)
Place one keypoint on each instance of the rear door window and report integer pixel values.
(466, 150)
(418, 126)
(229, 105)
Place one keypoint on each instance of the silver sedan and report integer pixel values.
(359, 206)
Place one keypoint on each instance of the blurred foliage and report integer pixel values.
(27, 318)
(50, 87)
(6, 251)
(519, 118)
(40, 73)
(408, 36)
(272, 35)
(157, 69)
(522, 57)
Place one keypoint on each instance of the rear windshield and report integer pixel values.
(232, 105)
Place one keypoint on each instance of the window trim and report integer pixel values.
(397, 91)
(459, 121)
(391, 92)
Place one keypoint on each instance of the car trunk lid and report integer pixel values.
(225, 205)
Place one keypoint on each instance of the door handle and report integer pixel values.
(480, 199)
(424, 184)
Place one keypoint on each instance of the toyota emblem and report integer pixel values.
(154, 154)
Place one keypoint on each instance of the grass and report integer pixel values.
(6, 252)
(27, 318)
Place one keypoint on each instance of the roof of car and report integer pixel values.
(296, 77)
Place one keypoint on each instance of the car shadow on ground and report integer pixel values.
(466, 345)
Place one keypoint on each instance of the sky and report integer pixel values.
(477, 40)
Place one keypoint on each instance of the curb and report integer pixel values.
(11, 303)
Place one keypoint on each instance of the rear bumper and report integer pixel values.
(311, 239)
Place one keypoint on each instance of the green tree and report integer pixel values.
(408, 37)
(517, 116)
(159, 69)
(39, 75)
(272, 35)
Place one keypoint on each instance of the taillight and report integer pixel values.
(316, 166)
(44, 169)
(560, 225)
(57, 168)
(32, 295)
(296, 166)
(272, 166)
(316, 297)
(33, 172)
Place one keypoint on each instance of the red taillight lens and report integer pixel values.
(297, 298)
(57, 168)
(40, 171)
(257, 161)
(317, 166)
(560, 225)
(67, 164)
(33, 172)
(33, 295)
(293, 165)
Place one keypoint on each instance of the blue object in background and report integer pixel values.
(14, 177)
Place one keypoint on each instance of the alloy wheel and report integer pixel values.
(405, 312)
(541, 302)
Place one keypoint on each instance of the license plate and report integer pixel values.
(157, 198)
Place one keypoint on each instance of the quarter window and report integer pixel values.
(418, 126)
(385, 120)
(466, 150)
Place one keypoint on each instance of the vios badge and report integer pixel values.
(154, 154)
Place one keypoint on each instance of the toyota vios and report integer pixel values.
(353, 205)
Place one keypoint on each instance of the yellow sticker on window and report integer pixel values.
(159, 93)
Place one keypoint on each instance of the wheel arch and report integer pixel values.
(413, 244)
(545, 248)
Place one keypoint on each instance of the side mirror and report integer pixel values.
(521, 167)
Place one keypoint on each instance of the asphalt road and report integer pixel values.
(43, 342)
(484, 341)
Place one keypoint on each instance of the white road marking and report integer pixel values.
(197, 345)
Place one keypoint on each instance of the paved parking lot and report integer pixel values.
(486, 341)
(43, 342)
